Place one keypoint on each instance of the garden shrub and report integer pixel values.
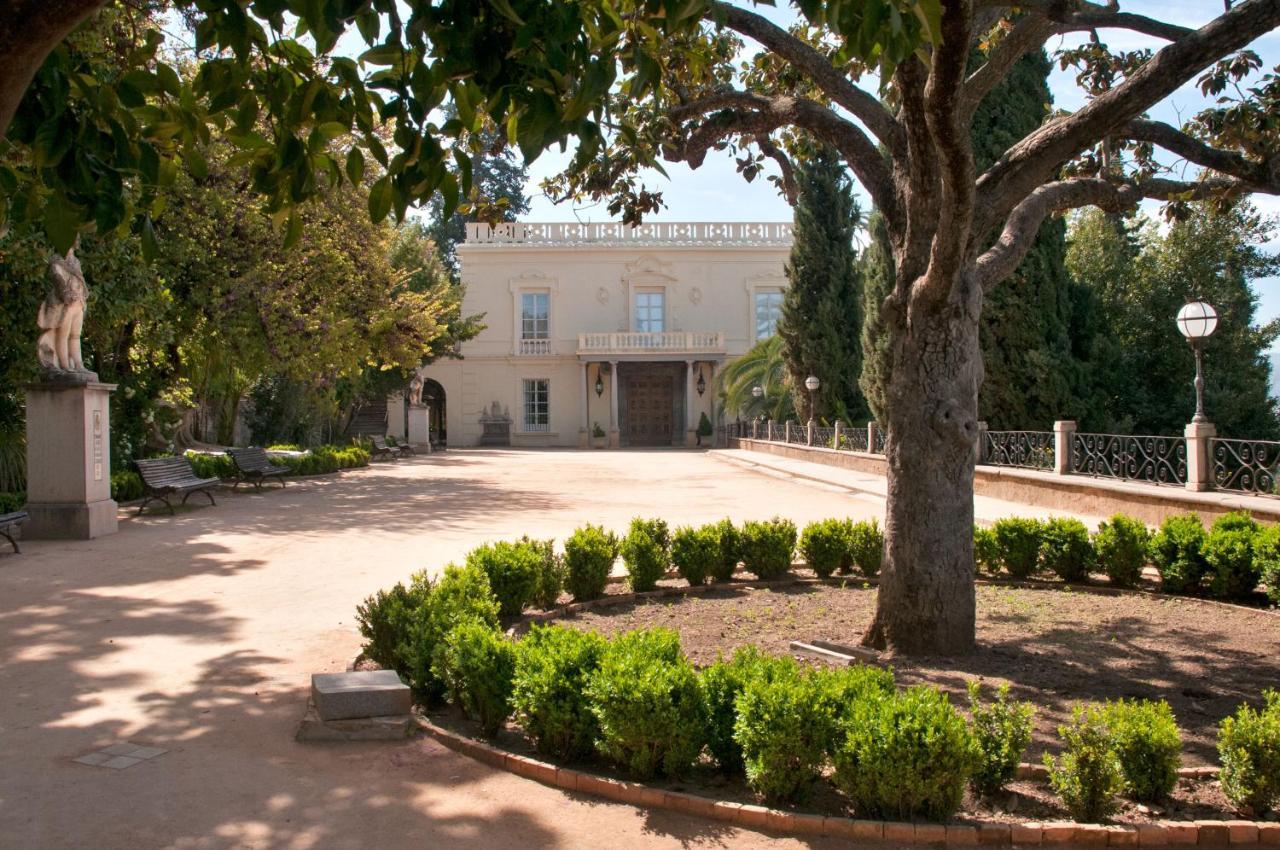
(767, 546)
(838, 689)
(722, 682)
(986, 551)
(1177, 550)
(1121, 544)
(730, 549)
(867, 546)
(476, 664)
(1249, 748)
(552, 667)
(904, 756)
(783, 731)
(460, 595)
(1087, 776)
(126, 486)
(1266, 559)
(324, 459)
(1002, 731)
(1229, 552)
(10, 502)
(1145, 738)
(646, 697)
(386, 621)
(696, 553)
(211, 466)
(1065, 548)
(512, 569)
(646, 550)
(589, 554)
(1017, 539)
(551, 572)
(825, 544)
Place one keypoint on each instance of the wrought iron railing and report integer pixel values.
(879, 442)
(796, 434)
(824, 437)
(853, 440)
(1026, 449)
(1157, 460)
(1245, 466)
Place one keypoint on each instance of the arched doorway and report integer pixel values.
(433, 400)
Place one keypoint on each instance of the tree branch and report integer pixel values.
(1023, 224)
(31, 30)
(1033, 160)
(737, 113)
(1027, 34)
(817, 67)
(1260, 176)
(787, 170)
(1083, 15)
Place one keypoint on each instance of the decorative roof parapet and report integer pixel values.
(674, 233)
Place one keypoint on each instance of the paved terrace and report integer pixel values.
(198, 634)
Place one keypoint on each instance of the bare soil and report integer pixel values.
(1055, 647)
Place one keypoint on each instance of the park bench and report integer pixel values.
(9, 524)
(168, 476)
(381, 449)
(254, 467)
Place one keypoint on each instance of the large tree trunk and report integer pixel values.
(29, 30)
(926, 600)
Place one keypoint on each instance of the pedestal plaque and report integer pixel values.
(69, 460)
(420, 426)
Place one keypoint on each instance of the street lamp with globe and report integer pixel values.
(811, 384)
(1197, 320)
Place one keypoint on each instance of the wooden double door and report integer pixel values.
(650, 404)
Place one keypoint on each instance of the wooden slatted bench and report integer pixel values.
(168, 476)
(9, 523)
(254, 467)
(381, 449)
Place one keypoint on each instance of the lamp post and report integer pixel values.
(811, 384)
(757, 392)
(1197, 320)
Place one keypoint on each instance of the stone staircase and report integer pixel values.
(369, 420)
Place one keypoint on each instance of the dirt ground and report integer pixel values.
(1055, 647)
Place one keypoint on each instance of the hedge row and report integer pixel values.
(1227, 561)
(638, 702)
(316, 461)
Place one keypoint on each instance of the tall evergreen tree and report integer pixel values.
(498, 179)
(1033, 373)
(1141, 278)
(822, 309)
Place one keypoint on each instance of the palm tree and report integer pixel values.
(762, 366)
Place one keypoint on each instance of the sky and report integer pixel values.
(715, 192)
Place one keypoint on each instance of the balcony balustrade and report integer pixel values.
(636, 342)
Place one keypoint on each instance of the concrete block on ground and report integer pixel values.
(359, 693)
(395, 727)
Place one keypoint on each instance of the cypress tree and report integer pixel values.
(822, 309)
(1035, 371)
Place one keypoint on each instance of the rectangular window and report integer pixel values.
(535, 315)
(537, 404)
(650, 311)
(768, 312)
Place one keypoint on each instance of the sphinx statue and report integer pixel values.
(61, 317)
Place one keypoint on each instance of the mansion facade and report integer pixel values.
(603, 328)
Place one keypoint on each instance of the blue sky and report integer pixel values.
(715, 192)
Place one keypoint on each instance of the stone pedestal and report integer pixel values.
(1199, 436)
(1064, 432)
(420, 426)
(69, 460)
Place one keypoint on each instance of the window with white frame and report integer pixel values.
(537, 404)
(768, 312)
(650, 311)
(535, 315)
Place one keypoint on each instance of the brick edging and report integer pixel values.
(976, 831)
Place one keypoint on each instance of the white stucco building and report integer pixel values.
(603, 324)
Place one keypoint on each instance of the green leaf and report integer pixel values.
(380, 198)
(383, 54)
(505, 9)
(149, 247)
(355, 165)
(62, 220)
(293, 231)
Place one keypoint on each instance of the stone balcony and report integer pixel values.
(744, 234)
(639, 343)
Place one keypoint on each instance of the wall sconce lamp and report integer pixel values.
(702, 383)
